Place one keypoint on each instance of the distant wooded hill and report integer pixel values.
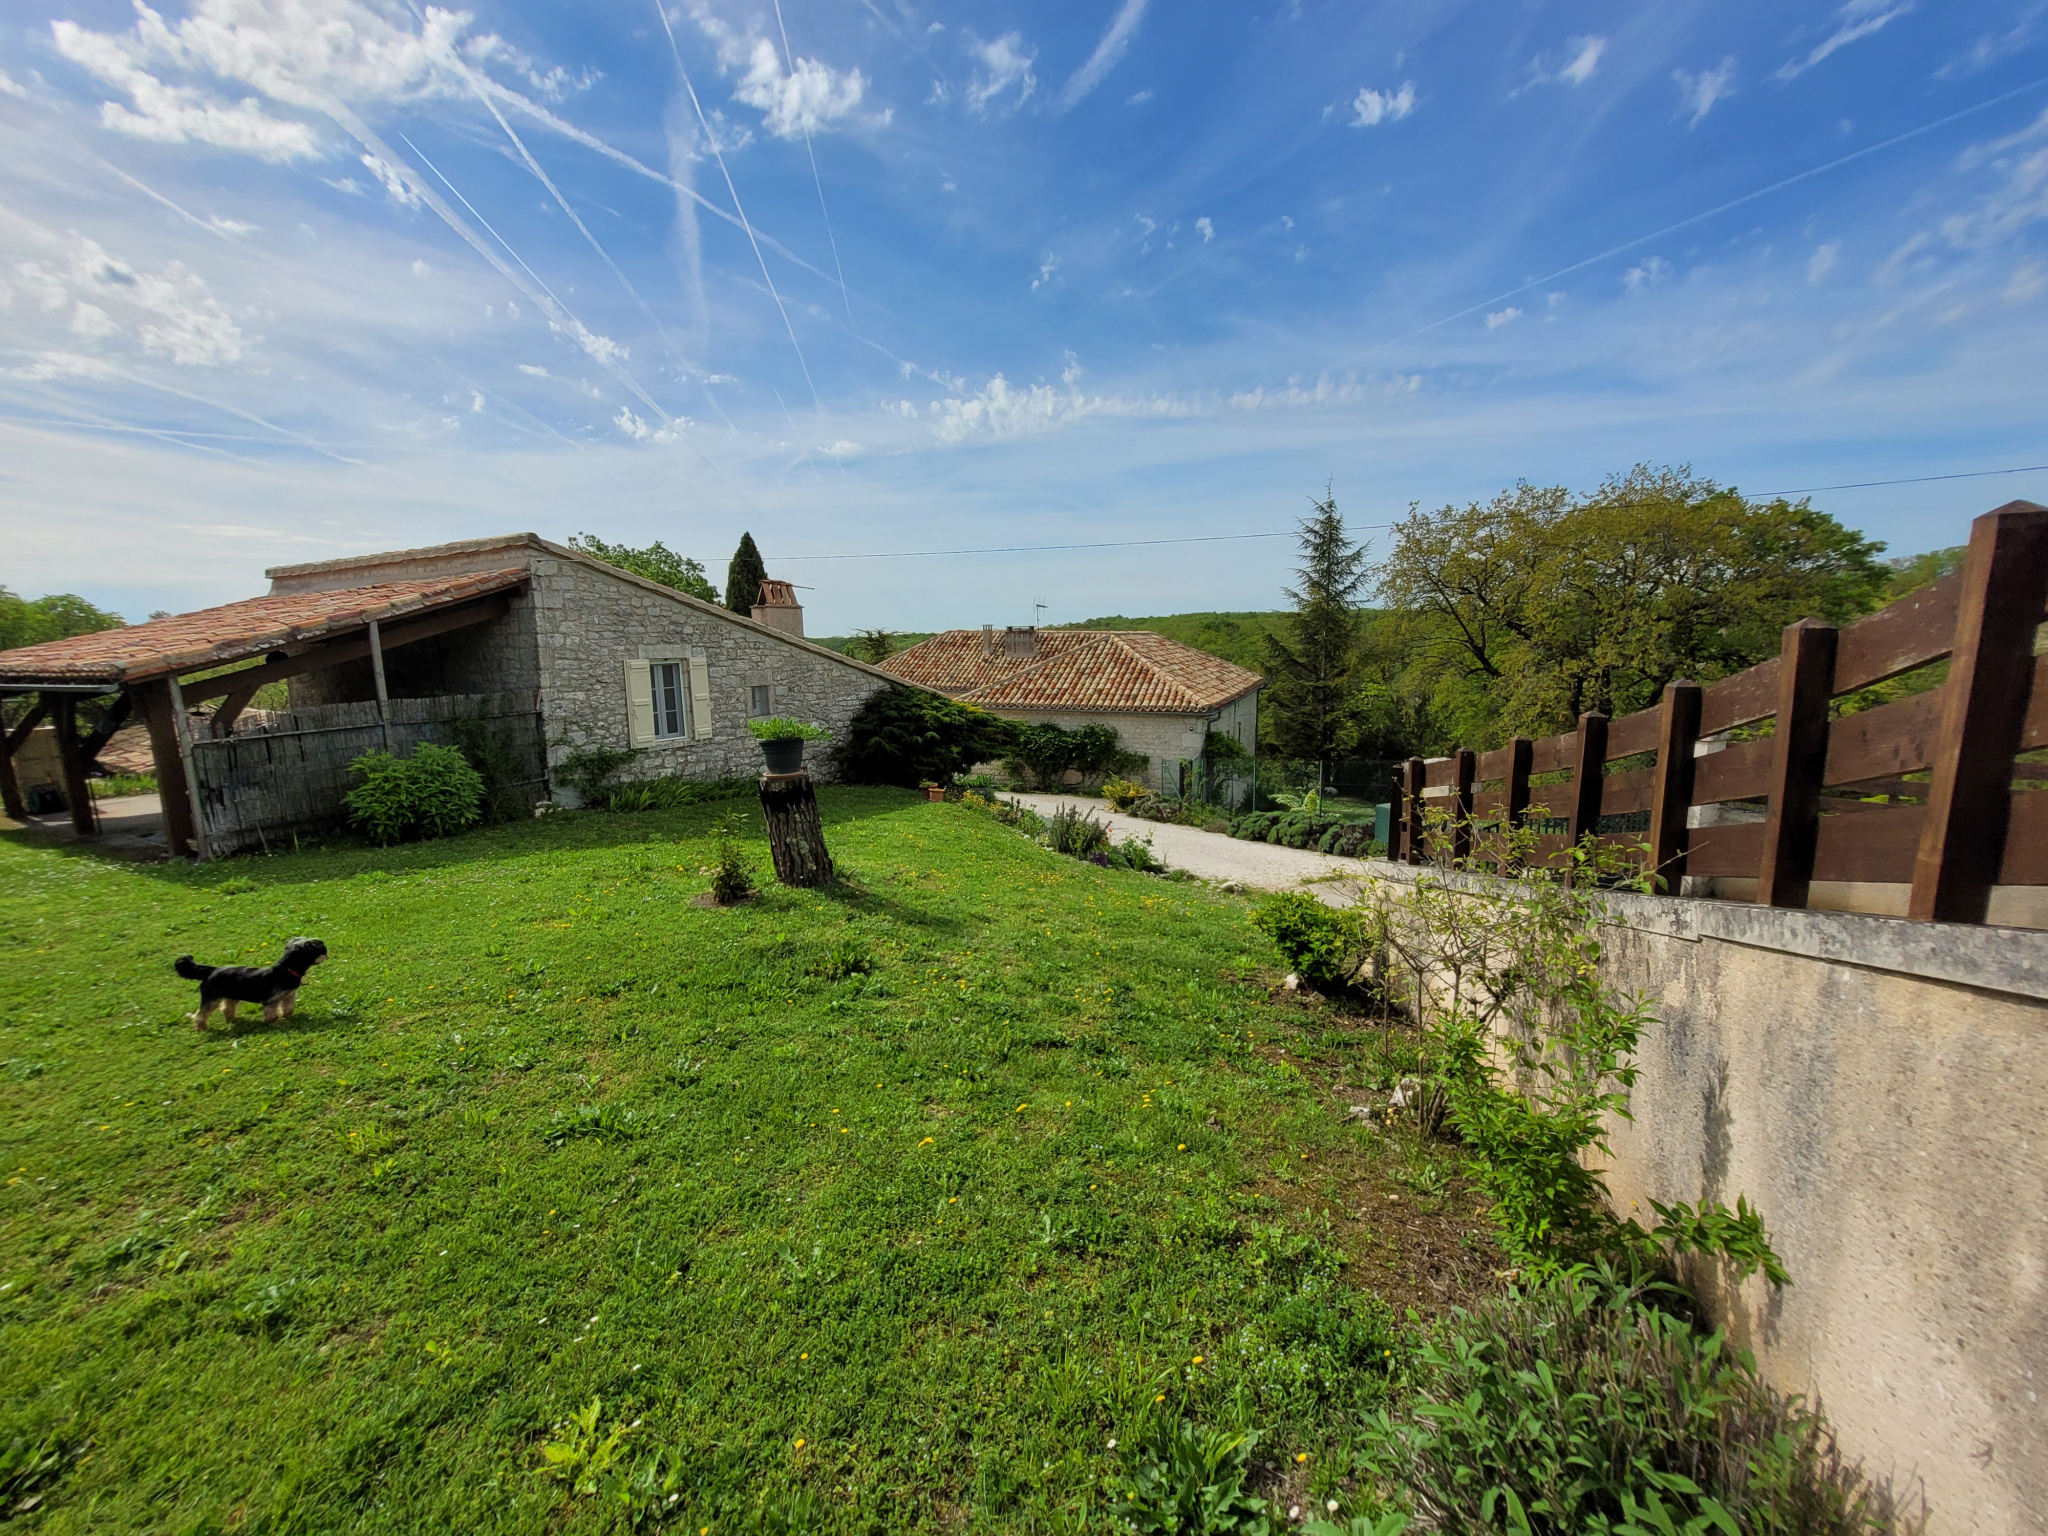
(841, 643)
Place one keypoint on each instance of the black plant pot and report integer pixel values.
(783, 755)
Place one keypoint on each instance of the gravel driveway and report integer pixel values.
(1214, 856)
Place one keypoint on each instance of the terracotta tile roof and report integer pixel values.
(1090, 671)
(213, 637)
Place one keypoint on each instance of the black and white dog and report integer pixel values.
(276, 987)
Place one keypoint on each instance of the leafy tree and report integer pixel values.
(743, 577)
(1912, 572)
(1530, 610)
(1047, 751)
(905, 736)
(1313, 657)
(657, 562)
(872, 645)
(55, 617)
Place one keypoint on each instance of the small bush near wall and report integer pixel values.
(905, 736)
(431, 794)
(674, 792)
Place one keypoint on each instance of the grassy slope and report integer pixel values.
(953, 1224)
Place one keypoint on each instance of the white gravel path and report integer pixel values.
(1215, 856)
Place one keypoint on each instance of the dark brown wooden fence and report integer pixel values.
(1927, 790)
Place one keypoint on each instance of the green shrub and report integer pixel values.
(507, 775)
(732, 871)
(1179, 813)
(1123, 793)
(1190, 1481)
(1254, 825)
(431, 794)
(1076, 833)
(905, 736)
(1046, 752)
(1317, 941)
(1134, 853)
(674, 791)
(590, 771)
(1578, 1405)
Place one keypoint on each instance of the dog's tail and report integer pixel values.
(192, 970)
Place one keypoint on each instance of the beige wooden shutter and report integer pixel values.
(640, 703)
(700, 697)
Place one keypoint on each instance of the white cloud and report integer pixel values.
(1822, 261)
(641, 432)
(843, 449)
(8, 86)
(300, 59)
(1652, 272)
(1107, 52)
(1371, 108)
(535, 370)
(233, 227)
(1046, 268)
(998, 410)
(1007, 62)
(1070, 375)
(1208, 229)
(1137, 98)
(91, 321)
(420, 268)
(65, 365)
(2028, 279)
(1324, 391)
(1573, 66)
(602, 349)
(393, 180)
(1857, 19)
(1698, 92)
(806, 98)
(1501, 317)
(476, 402)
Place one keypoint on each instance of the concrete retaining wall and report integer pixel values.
(1879, 1090)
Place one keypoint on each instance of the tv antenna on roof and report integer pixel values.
(1036, 610)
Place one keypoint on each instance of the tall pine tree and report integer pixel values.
(743, 577)
(1313, 661)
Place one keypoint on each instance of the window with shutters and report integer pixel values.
(671, 687)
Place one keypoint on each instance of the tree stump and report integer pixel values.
(790, 807)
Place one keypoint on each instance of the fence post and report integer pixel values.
(1799, 751)
(1990, 674)
(1465, 769)
(1678, 731)
(181, 724)
(1588, 768)
(1397, 815)
(1411, 844)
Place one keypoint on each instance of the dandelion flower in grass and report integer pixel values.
(1160, 1398)
(1299, 1456)
(800, 1446)
(926, 1142)
(1198, 1359)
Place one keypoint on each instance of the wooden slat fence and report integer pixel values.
(1927, 790)
(289, 773)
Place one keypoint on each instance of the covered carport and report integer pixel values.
(159, 670)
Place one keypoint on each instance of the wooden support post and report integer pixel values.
(165, 750)
(77, 793)
(11, 743)
(1521, 759)
(181, 725)
(377, 673)
(1397, 818)
(1678, 731)
(1465, 769)
(115, 717)
(1984, 704)
(1589, 765)
(1411, 814)
(795, 837)
(1799, 754)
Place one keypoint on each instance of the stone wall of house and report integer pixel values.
(588, 623)
(1163, 739)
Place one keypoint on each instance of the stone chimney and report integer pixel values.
(778, 608)
(1020, 644)
(988, 642)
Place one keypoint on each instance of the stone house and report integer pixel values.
(537, 646)
(608, 658)
(1165, 700)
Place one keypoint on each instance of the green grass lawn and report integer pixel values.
(907, 1199)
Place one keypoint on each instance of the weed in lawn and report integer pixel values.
(1187, 1480)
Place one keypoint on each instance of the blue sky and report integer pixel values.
(284, 279)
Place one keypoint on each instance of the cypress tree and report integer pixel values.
(1313, 665)
(743, 577)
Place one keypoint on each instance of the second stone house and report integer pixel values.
(1163, 699)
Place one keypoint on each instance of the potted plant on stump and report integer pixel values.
(782, 742)
(933, 790)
